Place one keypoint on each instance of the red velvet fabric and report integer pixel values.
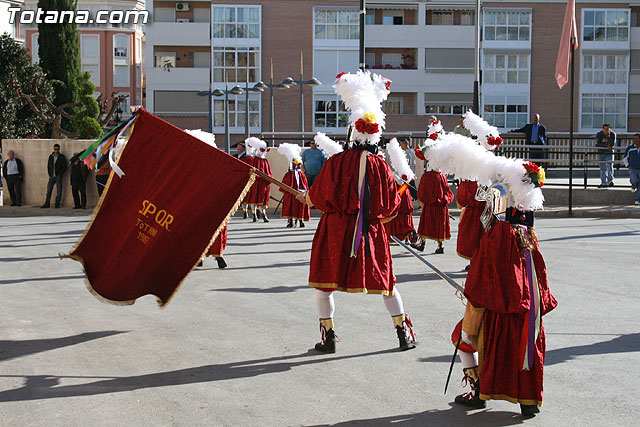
(261, 189)
(470, 229)
(335, 192)
(496, 282)
(435, 195)
(248, 160)
(220, 244)
(154, 223)
(292, 208)
(402, 224)
(455, 336)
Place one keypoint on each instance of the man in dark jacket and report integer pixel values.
(56, 166)
(79, 173)
(13, 171)
(605, 141)
(535, 134)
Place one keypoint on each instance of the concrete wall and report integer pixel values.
(34, 154)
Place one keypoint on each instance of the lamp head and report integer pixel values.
(217, 92)
(313, 82)
(289, 82)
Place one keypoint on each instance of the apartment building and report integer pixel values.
(425, 47)
(112, 53)
(13, 29)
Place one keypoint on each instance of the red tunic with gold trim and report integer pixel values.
(402, 225)
(261, 189)
(219, 245)
(291, 208)
(511, 335)
(248, 160)
(434, 195)
(470, 229)
(336, 193)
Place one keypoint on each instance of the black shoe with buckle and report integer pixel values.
(471, 399)
(529, 411)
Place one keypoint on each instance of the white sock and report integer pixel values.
(469, 360)
(325, 303)
(394, 303)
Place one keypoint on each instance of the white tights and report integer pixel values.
(469, 360)
(326, 304)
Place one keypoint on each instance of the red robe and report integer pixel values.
(497, 284)
(402, 225)
(335, 192)
(219, 245)
(291, 208)
(248, 160)
(434, 195)
(261, 189)
(470, 229)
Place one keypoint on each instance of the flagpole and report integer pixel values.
(572, 47)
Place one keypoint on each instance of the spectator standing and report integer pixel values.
(13, 171)
(605, 141)
(632, 161)
(312, 160)
(535, 134)
(56, 167)
(79, 173)
(461, 130)
(242, 151)
(102, 173)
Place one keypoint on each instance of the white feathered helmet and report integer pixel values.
(203, 136)
(257, 147)
(291, 152)
(362, 94)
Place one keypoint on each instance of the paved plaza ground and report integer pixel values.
(233, 346)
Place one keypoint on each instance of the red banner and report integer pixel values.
(153, 224)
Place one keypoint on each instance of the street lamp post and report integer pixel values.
(236, 90)
(312, 82)
(271, 85)
(258, 87)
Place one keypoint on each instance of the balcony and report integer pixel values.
(448, 36)
(179, 33)
(181, 78)
(392, 35)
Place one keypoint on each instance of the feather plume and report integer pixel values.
(488, 135)
(203, 136)
(326, 144)
(290, 151)
(257, 146)
(399, 161)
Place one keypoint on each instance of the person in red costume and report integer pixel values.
(295, 178)
(258, 197)
(216, 249)
(356, 192)
(470, 229)
(434, 196)
(245, 156)
(507, 294)
(402, 226)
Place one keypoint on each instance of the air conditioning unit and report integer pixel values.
(182, 7)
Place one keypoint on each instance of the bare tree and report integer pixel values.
(106, 115)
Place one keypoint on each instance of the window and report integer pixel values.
(124, 105)
(166, 60)
(394, 60)
(201, 59)
(512, 26)
(236, 22)
(174, 101)
(442, 17)
(163, 14)
(370, 19)
(234, 63)
(370, 59)
(35, 58)
(337, 24)
(329, 112)
(393, 105)
(604, 69)
(121, 75)
(201, 14)
(505, 68)
(599, 108)
(449, 59)
(90, 56)
(121, 60)
(467, 17)
(506, 116)
(446, 109)
(606, 25)
(237, 111)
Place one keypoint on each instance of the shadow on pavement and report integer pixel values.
(456, 416)
(10, 349)
(27, 259)
(47, 386)
(592, 236)
(39, 279)
(628, 343)
(272, 290)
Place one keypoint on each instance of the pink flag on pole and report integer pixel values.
(569, 30)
